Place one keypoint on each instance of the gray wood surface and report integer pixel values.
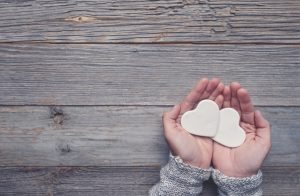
(108, 74)
(81, 181)
(114, 181)
(113, 136)
(264, 21)
(85, 118)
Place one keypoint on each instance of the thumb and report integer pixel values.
(260, 121)
(262, 125)
(169, 118)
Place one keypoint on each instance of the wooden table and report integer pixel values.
(83, 85)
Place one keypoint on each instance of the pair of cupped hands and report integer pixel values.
(203, 152)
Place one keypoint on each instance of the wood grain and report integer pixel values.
(113, 136)
(81, 181)
(243, 21)
(160, 74)
(106, 137)
(119, 181)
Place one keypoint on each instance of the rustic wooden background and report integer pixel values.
(83, 85)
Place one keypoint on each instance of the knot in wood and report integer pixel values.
(57, 114)
(63, 148)
(81, 19)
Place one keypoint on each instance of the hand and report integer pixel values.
(193, 150)
(246, 159)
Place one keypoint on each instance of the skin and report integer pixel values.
(194, 150)
(246, 159)
(202, 152)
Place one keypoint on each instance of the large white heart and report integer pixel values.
(229, 132)
(203, 120)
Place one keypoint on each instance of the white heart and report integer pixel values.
(222, 126)
(229, 132)
(203, 120)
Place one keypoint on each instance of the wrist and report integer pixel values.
(238, 174)
(202, 165)
(183, 165)
(235, 171)
(195, 161)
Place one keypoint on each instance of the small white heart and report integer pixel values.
(229, 132)
(203, 120)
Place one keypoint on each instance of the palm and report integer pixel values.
(246, 159)
(193, 150)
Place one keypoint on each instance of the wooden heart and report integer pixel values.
(229, 132)
(203, 120)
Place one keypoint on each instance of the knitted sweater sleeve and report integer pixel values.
(179, 178)
(248, 186)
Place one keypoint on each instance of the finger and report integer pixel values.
(170, 127)
(247, 108)
(227, 97)
(193, 97)
(169, 119)
(260, 121)
(217, 91)
(234, 102)
(263, 126)
(219, 100)
(211, 86)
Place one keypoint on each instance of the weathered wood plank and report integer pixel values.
(151, 21)
(80, 181)
(118, 181)
(113, 136)
(80, 74)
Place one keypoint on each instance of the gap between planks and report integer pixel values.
(157, 43)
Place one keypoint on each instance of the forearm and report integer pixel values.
(248, 186)
(179, 178)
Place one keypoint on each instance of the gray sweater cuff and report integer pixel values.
(248, 186)
(179, 178)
